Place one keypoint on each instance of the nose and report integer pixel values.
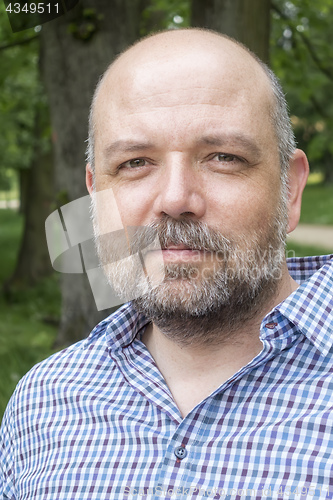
(180, 190)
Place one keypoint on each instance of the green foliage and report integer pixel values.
(85, 25)
(5, 180)
(165, 14)
(21, 95)
(11, 227)
(302, 57)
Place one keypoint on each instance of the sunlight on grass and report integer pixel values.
(315, 178)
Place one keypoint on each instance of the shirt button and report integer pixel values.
(271, 325)
(180, 452)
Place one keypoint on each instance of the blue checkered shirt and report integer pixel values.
(97, 420)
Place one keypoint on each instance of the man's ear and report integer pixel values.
(89, 178)
(298, 175)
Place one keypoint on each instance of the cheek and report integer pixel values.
(242, 208)
(134, 205)
(132, 199)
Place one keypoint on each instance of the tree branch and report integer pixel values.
(324, 69)
(318, 107)
(18, 42)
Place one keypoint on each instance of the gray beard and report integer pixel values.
(206, 305)
(193, 310)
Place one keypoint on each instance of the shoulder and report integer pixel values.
(78, 366)
(73, 365)
(52, 394)
(80, 375)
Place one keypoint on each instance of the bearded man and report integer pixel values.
(217, 380)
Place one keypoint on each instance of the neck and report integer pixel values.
(193, 371)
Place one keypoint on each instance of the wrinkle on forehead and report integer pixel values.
(201, 98)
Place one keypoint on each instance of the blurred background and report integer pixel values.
(47, 76)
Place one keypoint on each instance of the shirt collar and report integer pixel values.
(309, 308)
(125, 326)
(119, 329)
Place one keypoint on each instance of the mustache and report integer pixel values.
(194, 234)
(159, 235)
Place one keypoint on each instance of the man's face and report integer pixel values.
(190, 138)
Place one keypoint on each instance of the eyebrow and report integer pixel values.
(220, 140)
(126, 146)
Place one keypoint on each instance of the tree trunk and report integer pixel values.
(246, 20)
(33, 262)
(76, 49)
(23, 175)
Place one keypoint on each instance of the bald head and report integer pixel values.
(167, 64)
(181, 46)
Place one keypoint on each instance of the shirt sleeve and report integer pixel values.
(7, 454)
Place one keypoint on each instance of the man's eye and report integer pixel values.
(225, 157)
(137, 162)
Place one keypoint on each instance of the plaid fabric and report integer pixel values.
(97, 420)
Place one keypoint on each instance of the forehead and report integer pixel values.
(182, 77)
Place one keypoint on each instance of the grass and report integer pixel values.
(298, 250)
(317, 206)
(25, 338)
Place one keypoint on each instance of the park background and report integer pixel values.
(47, 77)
